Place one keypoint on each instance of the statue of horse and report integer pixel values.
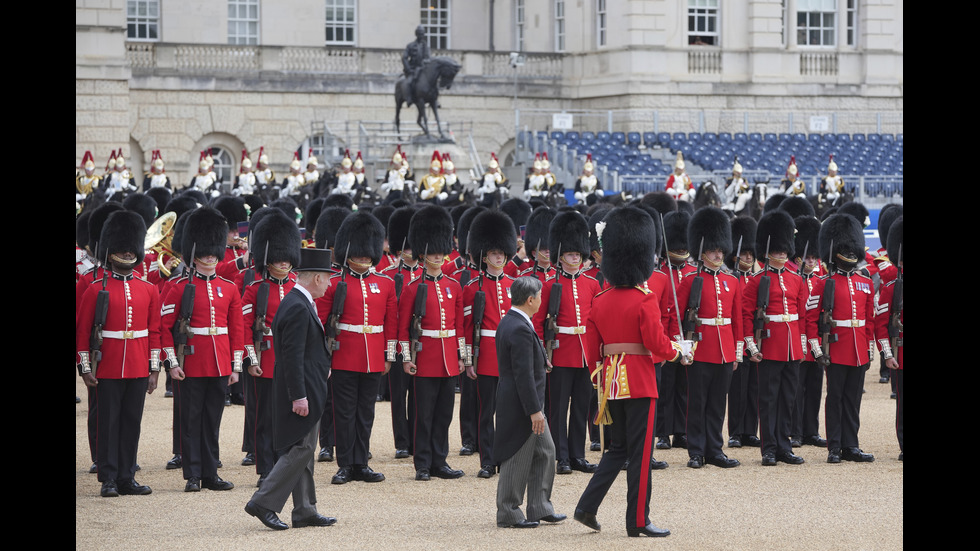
(437, 72)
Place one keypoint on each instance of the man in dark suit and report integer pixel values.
(300, 383)
(523, 445)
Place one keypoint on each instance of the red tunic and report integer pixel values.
(369, 323)
(277, 291)
(216, 320)
(720, 315)
(854, 312)
(882, 315)
(577, 293)
(497, 291)
(440, 354)
(786, 310)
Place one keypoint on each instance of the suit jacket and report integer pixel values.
(302, 367)
(520, 389)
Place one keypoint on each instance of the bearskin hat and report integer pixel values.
(798, 206)
(254, 202)
(277, 232)
(205, 234)
(160, 195)
(661, 201)
(289, 207)
(709, 230)
(361, 234)
(776, 229)
(807, 236)
(182, 204)
(143, 205)
(491, 230)
(519, 212)
(431, 231)
(686, 207)
(81, 229)
(858, 211)
(197, 195)
(773, 202)
(596, 217)
(538, 224)
(569, 233)
(895, 239)
(233, 209)
(383, 214)
(845, 234)
(627, 238)
(313, 210)
(886, 217)
(463, 226)
(123, 232)
(675, 230)
(744, 229)
(338, 200)
(398, 225)
(97, 220)
(327, 225)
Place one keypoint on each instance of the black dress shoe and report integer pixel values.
(93, 469)
(193, 484)
(789, 458)
(649, 531)
(216, 484)
(855, 454)
(133, 488)
(626, 465)
(657, 465)
(175, 462)
(248, 460)
(894, 396)
(883, 379)
(268, 518)
(138, 468)
(901, 456)
(595, 447)
(581, 465)
(554, 517)
(343, 476)
(680, 441)
(422, 474)
(486, 471)
(723, 461)
(522, 524)
(238, 399)
(587, 519)
(751, 440)
(326, 454)
(814, 440)
(258, 483)
(564, 467)
(833, 456)
(795, 442)
(367, 474)
(227, 401)
(696, 462)
(401, 454)
(168, 394)
(109, 489)
(467, 449)
(734, 442)
(663, 443)
(446, 473)
(768, 460)
(315, 520)
(220, 464)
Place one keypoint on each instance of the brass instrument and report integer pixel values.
(159, 236)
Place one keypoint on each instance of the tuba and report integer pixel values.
(158, 238)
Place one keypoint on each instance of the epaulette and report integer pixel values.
(642, 290)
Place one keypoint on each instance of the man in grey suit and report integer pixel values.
(523, 443)
(300, 394)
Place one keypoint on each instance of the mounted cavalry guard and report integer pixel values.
(792, 184)
(156, 176)
(120, 181)
(831, 186)
(346, 180)
(88, 182)
(264, 177)
(492, 182)
(588, 190)
(737, 189)
(679, 184)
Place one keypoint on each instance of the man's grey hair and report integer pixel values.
(523, 289)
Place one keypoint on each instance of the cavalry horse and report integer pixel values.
(437, 72)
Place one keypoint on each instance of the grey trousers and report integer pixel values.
(292, 474)
(532, 468)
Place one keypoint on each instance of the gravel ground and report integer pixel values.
(812, 506)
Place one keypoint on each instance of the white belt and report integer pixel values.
(361, 328)
(488, 333)
(209, 330)
(444, 334)
(126, 334)
(715, 321)
(577, 330)
(848, 323)
(783, 317)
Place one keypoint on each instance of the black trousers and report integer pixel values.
(92, 421)
(248, 393)
(898, 375)
(175, 427)
(743, 400)
(571, 391)
(398, 385)
(327, 430)
(672, 404)
(777, 390)
(708, 385)
(354, 396)
(120, 412)
(630, 438)
(264, 399)
(806, 410)
(202, 403)
(486, 394)
(845, 386)
(435, 399)
(469, 410)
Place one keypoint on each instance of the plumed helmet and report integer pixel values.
(736, 167)
(436, 164)
(491, 230)
(710, 229)
(627, 236)
(280, 234)
(538, 224)
(431, 231)
(358, 162)
(493, 161)
(123, 232)
(589, 166)
(844, 233)
(832, 165)
(679, 162)
(205, 234)
(569, 232)
(346, 162)
(296, 164)
(776, 228)
(360, 234)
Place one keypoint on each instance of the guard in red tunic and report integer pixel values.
(128, 341)
(213, 328)
(887, 271)
(711, 314)
(432, 342)
(844, 324)
(519, 212)
(805, 428)
(889, 328)
(362, 331)
(538, 256)
(276, 242)
(491, 241)
(624, 330)
(743, 394)
(569, 386)
(774, 333)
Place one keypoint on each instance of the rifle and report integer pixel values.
(398, 277)
(826, 322)
(479, 308)
(762, 304)
(895, 325)
(670, 273)
(691, 322)
(98, 322)
(418, 312)
(337, 310)
(551, 321)
(182, 329)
